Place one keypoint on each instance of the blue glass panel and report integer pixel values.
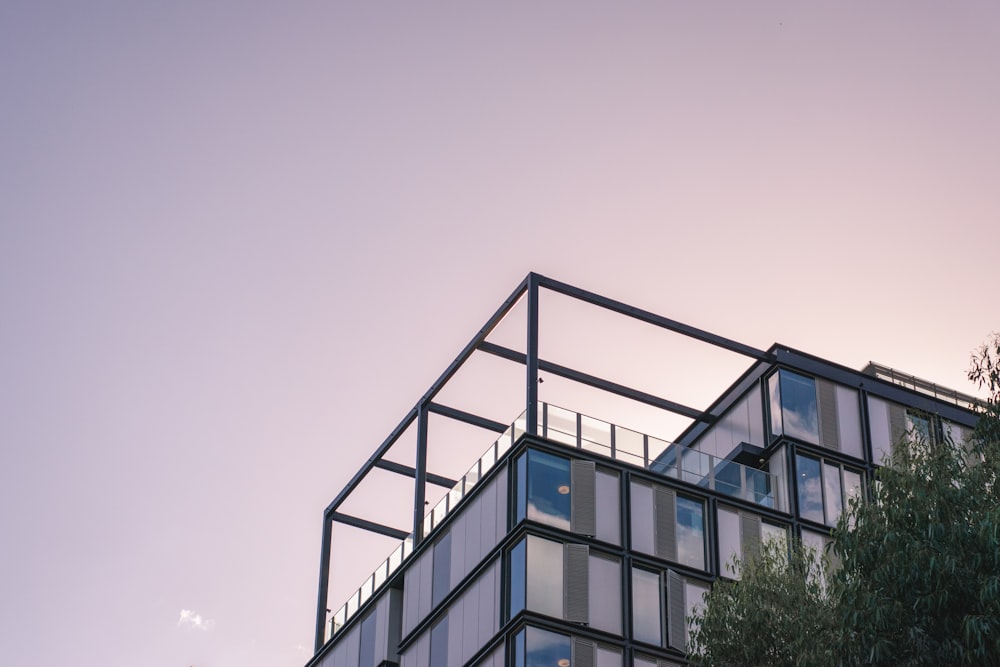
(810, 485)
(439, 643)
(798, 406)
(517, 579)
(690, 533)
(548, 489)
(545, 649)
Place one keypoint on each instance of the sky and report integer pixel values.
(239, 240)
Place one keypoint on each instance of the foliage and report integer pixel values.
(920, 583)
(777, 614)
(919, 576)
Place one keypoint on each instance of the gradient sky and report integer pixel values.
(238, 240)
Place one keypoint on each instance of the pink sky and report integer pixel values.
(238, 240)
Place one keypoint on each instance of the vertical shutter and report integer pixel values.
(750, 535)
(665, 522)
(583, 484)
(897, 424)
(676, 624)
(582, 653)
(577, 583)
(829, 430)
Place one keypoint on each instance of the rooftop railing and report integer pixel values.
(582, 432)
(923, 386)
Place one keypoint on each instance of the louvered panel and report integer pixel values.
(675, 611)
(577, 583)
(749, 535)
(583, 484)
(665, 527)
(897, 424)
(582, 653)
(829, 430)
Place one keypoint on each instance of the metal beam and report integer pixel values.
(324, 585)
(599, 383)
(531, 359)
(654, 319)
(467, 417)
(420, 476)
(379, 528)
(407, 471)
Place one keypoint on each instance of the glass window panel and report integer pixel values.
(810, 488)
(694, 598)
(522, 488)
(439, 643)
(690, 533)
(519, 649)
(798, 406)
(774, 402)
(608, 520)
(545, 649)
(646, 605)
(832, 493)
(878, 421)
(517, 578)
(729, 541)
(545, 576)
(918, 427)
(852, 485)
(548, 489)
(641, 519)
(441, 577)
(605, 579)
(772, 533)
(368, 640)
(607, 657)
(849, 422)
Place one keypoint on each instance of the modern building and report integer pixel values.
(580, 541)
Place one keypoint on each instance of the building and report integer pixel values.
(575, 541)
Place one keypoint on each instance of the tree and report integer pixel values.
(920, 581)
(777, 614)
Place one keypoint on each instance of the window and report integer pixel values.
(548, 489)
(368, 639)
(439, 643)
(441, 578)
(740, 536)
(647, 622)
(568, 494)
(667, 525)
(824, 488)
(542, 648)
(793, 406)
(566, 581)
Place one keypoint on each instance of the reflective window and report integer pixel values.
(548, 489)
(608, 528)
(641, 518)
(439, 643)
(545, 649)
(517, 578)
(690, 533)
(772, 533)
(798, 406)
(441, 578)
(918, 426)
(832, 493)
(730, 545)
(810, 488)
(605, 595)
(368, 640)
(647, 623)
(545, 576)
(694, 599)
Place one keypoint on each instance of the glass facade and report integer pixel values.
(794, 409)
(547, 490)
(647, 605)
(690, 532)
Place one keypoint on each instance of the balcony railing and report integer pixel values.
(582, 432)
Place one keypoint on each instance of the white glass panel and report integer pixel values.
(608, 516)
(646, 619)
(878, 420)
(729, 541)
(545, 576)
(642, 518)
(849, 422)
(832, 493)
(605, 597)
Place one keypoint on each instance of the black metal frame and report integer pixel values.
(529, 289)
